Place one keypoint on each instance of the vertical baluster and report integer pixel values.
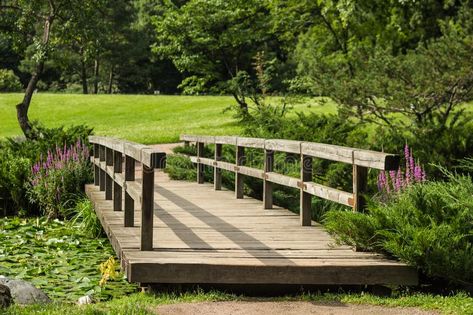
(102, 172)
(108, 178)
(96, 167)
(147, 208)
(239, 160)
(218, 171)
(200, 166)
(267, 185)
(360, 178)
(305, 198)
(129, 202)
(117, 189)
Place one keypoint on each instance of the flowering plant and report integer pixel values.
(395, 181)
(59, 178)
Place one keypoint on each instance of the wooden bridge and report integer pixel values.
(167, 231)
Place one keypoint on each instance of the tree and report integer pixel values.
(213, 42)
(42, 21)
(378, 62)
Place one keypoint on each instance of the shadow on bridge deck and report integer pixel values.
(205, 236)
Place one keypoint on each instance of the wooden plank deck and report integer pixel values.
(207, 236)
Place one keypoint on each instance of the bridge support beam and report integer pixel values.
(129, 202)
(218, 171)
(147, 209)
(267, 185)
(200, 166)
(240, 160)
(108, 178)
(305, 198)
(117, 189)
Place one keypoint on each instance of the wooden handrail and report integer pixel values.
(109, 155)
(360, 159)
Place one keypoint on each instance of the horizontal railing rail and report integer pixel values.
(114, 163)
(360, 159)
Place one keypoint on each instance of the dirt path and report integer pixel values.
(283, 308)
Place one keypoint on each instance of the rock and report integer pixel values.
(87, 299)
(5, 296)
(25, 293)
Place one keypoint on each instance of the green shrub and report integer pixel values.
(429, 226)
(16, 160)
(46, 139)
(9, 82)
(86, 219)
(14, 172)
(57, 179)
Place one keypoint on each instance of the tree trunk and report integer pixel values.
(85, 88)
(96, 76)
(23, 107)
(110, 81)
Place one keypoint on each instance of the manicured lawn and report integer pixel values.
(142, 118)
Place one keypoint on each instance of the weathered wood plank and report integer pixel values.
(239, 179)
(267, 185)
(280, 145)
(217, 169)
(224, 166)
(200, 166)
(329, 193)
(359, 157)
(226, 140)
(256, 143)
(249, 171)
(305, 204)
(147, 208)
(282, 179)
(200, 272)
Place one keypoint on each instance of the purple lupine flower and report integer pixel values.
(398, 182)
(417, 173)
(407, 157)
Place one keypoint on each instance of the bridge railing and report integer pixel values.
(114, 172)
(361, 160)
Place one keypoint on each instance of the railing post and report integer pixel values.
(102, 172)
(129, 202)
(117, 189)
(218, 171)
(360, 179)
(267, 185)
(305, 198)
(239, 160)
(147, 208)
(200, 166)
(96, 167)
(108, 178)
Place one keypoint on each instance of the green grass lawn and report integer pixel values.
(141, 118)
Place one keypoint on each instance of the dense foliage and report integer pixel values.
(9, 82)
(427, 225)
(58, 179)
(18, 159)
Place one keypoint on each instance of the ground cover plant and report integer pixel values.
(58, 257)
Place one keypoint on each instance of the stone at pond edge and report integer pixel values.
(24, 293)
(5, 296)
(84, 300)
